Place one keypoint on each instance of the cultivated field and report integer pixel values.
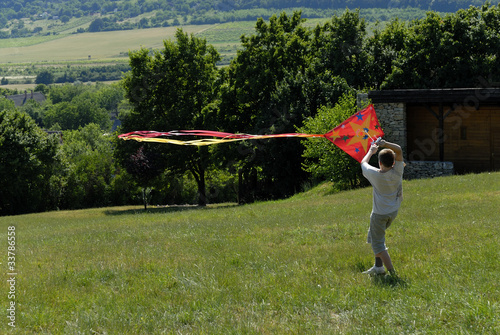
(282, 267)
(115, 45)
(101, 46)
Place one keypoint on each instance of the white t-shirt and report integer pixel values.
(387, 187)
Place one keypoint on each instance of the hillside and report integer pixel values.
(23, 18)
(282, 267)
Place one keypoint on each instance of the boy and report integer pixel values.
(387, 182)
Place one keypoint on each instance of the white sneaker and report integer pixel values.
(375, 270)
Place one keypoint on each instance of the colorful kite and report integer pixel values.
(354, 135)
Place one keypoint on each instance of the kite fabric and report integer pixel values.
(354, 135)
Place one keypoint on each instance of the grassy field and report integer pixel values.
(283, 267)
(100, 46)
(114, 45)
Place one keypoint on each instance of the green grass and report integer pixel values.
(282, 267)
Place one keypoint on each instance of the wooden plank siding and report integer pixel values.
(495, 140)
(469, 137)
(459, 125)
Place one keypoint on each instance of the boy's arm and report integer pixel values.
(373, 149)
(394, 147)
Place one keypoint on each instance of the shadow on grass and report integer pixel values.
(166, 209)
(389, 281)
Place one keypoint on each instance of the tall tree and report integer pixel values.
(339, 48)
(271, 58)
(457, 50)
(171, 89)
(27, 159)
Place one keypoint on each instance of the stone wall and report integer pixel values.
(427, 169)
(392, 118)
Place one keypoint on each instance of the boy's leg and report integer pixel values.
(376, 236)
(386, 259)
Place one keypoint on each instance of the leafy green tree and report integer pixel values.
(338, 46)
(27, 160)
(324, 160)
(96, 25)
(144, 167)
(67, 92)
(35, 110)
(75, 106)
(451, 51)
(7, 104)
(171, 89)
(383, 49)
(88, 168)
(44, 77)
(270, 60)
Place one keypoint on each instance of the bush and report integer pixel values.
(324, 160)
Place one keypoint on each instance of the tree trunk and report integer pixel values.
(202, 192)
(199, 175)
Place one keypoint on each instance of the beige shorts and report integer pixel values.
(376, 234)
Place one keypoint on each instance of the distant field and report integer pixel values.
(114, 45)
(78, 47)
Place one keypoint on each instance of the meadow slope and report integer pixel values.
(283, 267)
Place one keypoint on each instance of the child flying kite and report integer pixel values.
(387, 182)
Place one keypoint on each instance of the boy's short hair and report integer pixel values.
(387, 157)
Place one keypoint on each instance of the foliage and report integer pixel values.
(456, 50)
(326, 161)
(144, 167)
(339, 48)
(44, 77)
(75, 105)
(280, 77)
(171, 90)
(27, 161)
(117, 15)
(267, 72)
(87, 168)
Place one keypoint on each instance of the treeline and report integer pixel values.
(63, 74)
(116, 15)
(17, 9)
(59, 154)
(71, 74)
(285, 78)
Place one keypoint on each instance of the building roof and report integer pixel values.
(21, 99)
(446, 95)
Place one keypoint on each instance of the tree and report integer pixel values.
(271, 60)
(451, 51)
(339, 48)
(74, 106)
(87, 156)
(144, 167)
(324, 160)
(169, 90)
(44, 77)
(383, 49)
(27, 159)
(97, 25)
